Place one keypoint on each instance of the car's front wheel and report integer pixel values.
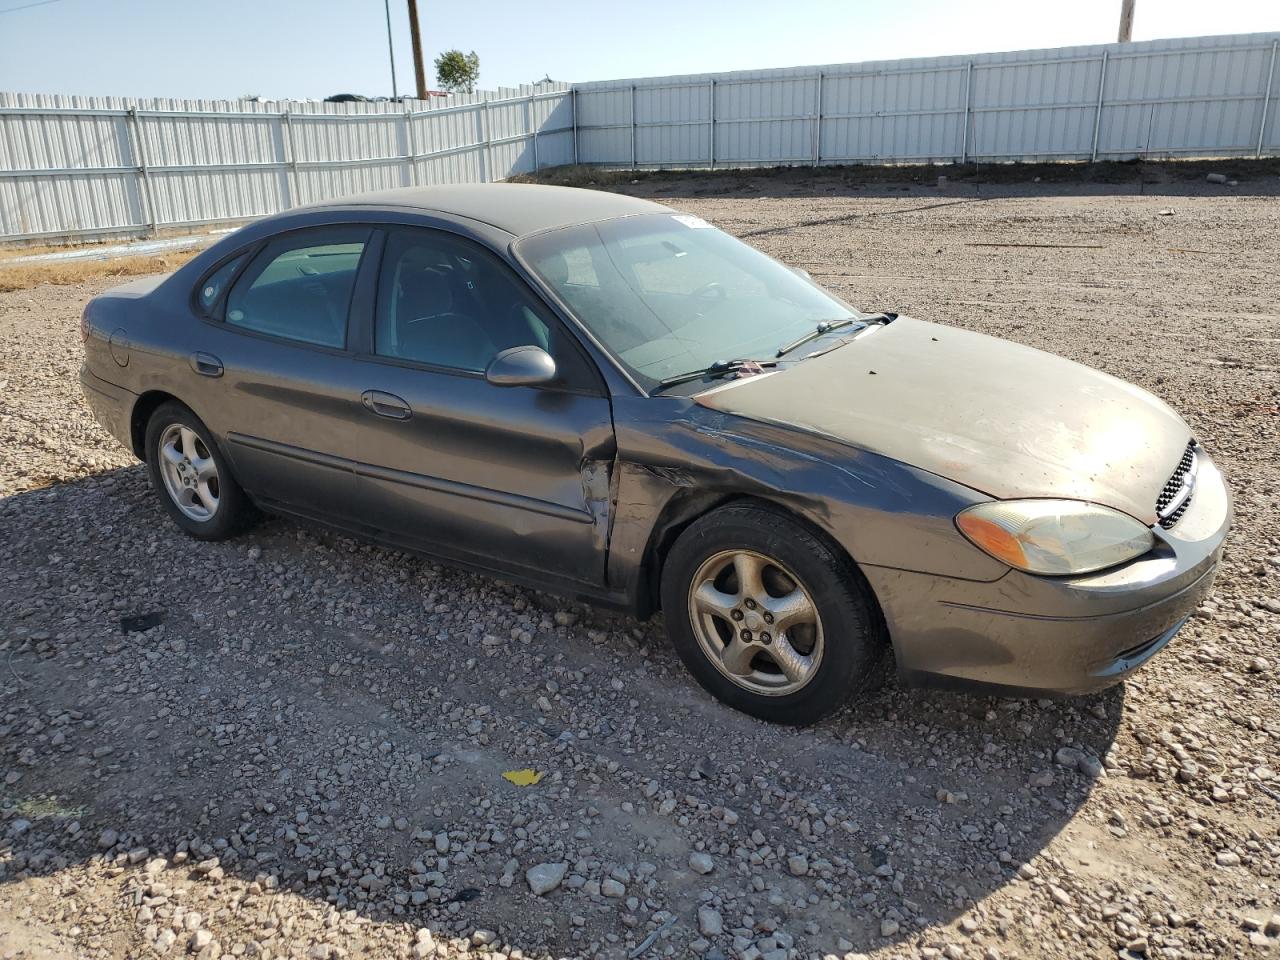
(768, 617)
(192, 477)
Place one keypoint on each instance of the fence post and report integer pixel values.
(144, 174)
(411, 159)
(713, 123)
(573, 106)
(1266, 100)
(530, 123)
(817, 123)
(1097, 116)
(964, 124)
(633, 126)
(294, 193)
(484, 123)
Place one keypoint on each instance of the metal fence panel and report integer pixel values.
(85, 166)
(100, 166)
(1199, 96)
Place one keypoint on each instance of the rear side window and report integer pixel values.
(299, 286)
(211, 290)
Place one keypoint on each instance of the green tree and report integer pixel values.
(457, 71)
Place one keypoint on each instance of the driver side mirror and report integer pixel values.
(521, 367)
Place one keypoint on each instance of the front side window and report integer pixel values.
(447, 302)
(299, 286)
(668, 293)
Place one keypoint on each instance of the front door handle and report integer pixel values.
(386, 405)
(206, 364)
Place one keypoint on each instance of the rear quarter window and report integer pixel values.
(212, 286)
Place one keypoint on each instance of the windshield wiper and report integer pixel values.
(826, 326)
(712, 370)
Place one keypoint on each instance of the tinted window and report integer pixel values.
(299, 286)
(213, 285)
(445, 301)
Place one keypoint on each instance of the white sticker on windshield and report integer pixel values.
(693, 223)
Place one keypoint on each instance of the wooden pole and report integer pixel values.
(418, 72)
(1126, 21)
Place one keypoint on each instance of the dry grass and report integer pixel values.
(1140, 172)
(27, 275)
(583, 176)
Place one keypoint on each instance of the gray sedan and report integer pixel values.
(608, 399)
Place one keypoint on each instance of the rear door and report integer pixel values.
(514, 478)
(277, 375)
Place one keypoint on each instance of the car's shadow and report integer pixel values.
(317, 712)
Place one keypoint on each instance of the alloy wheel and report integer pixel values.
(189, 472)
(756, 622)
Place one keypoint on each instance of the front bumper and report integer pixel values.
(1057, 635)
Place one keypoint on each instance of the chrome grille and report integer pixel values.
(1175, 497)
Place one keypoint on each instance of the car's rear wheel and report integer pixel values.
(192, 477)
(768, 617)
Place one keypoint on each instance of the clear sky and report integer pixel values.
(313, 48)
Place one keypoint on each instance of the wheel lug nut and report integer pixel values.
(751, 604)
(766, 639)
(768, 618)
(736, 614)
(746, 635)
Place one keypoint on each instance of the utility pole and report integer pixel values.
(391, 50)
(418, 72)
(1126, 21)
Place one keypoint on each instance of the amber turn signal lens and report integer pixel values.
(992, 538)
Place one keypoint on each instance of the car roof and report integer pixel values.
(517, 208)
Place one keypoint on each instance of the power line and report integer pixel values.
(28, 6)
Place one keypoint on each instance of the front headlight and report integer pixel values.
(1054, 537)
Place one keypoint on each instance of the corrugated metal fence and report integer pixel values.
(97, 166)
(1204, 96)
(101, 166)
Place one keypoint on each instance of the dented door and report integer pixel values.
(514, 477)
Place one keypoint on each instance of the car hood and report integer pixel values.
(1004, 419)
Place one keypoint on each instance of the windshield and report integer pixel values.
(668, 294)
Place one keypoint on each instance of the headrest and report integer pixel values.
(424, 291)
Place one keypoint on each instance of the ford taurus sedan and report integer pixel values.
(602, 397)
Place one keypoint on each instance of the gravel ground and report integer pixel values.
(305, 757)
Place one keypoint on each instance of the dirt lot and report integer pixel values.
(305, 757)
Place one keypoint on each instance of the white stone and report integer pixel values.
(545, 877)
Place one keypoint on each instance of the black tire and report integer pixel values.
(854, 636)
(234, 513)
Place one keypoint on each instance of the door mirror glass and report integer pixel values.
(521, 367)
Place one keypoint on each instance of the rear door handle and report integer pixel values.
(206, 364)
(386, 405)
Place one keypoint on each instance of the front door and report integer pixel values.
(515, 478)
